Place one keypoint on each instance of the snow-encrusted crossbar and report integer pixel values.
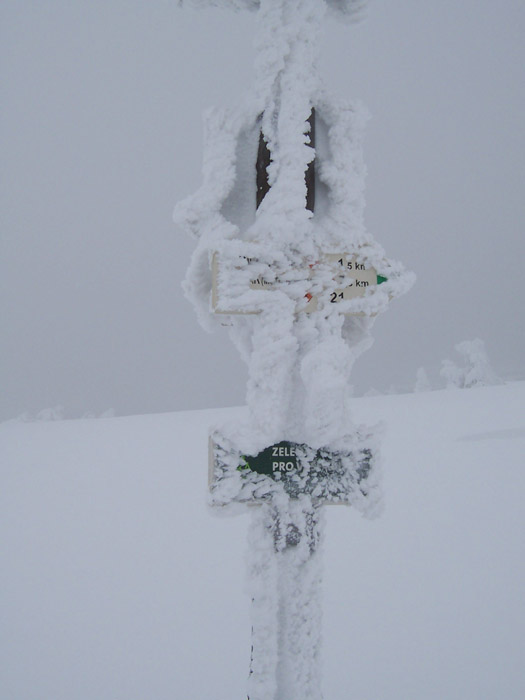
(343, 9)
(342, 474)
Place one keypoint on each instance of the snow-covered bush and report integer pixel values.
(475, 370)
(422, 381)
(52, 413)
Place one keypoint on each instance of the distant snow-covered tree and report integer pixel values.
(475, 370)
(52, 413)
(422, 381)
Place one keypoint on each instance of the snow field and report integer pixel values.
(117, 583)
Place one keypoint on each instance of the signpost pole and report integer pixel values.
(299, 281)
(286, 637)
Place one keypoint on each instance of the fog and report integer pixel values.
(101, 135)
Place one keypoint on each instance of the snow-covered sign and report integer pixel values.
(348, 278)
(300, 289)
(327, 476)
(300, 283)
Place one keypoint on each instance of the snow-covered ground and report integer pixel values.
(118, 584)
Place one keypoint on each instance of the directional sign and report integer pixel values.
(329, 476)
(351, 278)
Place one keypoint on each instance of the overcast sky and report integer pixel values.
(101, 135)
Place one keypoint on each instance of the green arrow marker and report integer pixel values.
(244, 466)
(381, 279)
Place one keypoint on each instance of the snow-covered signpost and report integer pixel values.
(284, 258)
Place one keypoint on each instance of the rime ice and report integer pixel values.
(300, 290)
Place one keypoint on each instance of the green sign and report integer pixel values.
(328, 475)
(277, 459)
